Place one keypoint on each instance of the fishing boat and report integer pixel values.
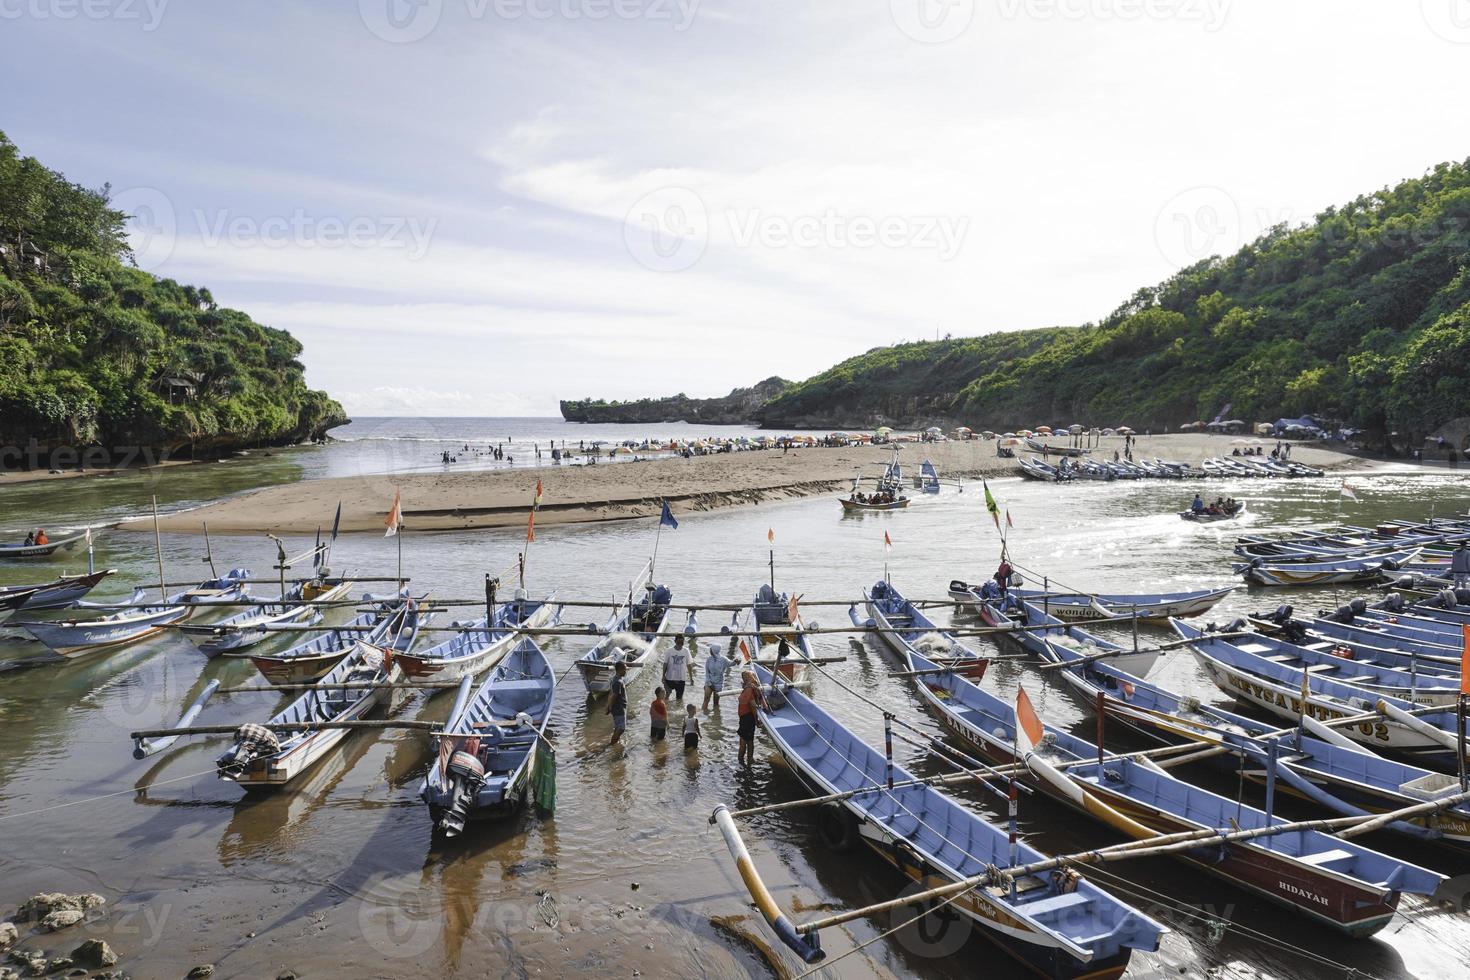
(1310, 760)
(1426, 737)
(903, 628)
(1072, 606)
(1227, 513)
(301, 605)
(56, 594)
(1262, 572)
(487, 754)
(778, 633)
(1328, 879)
(877, 501)
(73, 638)
(1011, 614)
(477, 647)
(631, 637)
(1059, 926)
(70, 543)
(928, 477)
(263, 758)
(393, 623)
(1038, 470)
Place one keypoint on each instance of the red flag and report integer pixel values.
(791, 612)
(531, 528)
(771, 535)
(745, 651)
(887, 542)
(536, 504)
(1465, 661)
(1028, 726)
(395, 514)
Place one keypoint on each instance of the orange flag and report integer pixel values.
(1028, 726)
(791, 612)
(395, 514)
(887, 543)
(1465, 660)
(745, 651)
(536, 504)
(531, 528)
(771, 535)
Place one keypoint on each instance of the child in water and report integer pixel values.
(691, 728)
(658, 714)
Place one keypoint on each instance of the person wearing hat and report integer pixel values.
(715, 666)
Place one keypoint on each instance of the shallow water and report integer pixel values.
(340, 875)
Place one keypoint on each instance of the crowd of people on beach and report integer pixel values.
(678, 672)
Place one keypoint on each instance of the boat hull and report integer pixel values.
(78, 639)
(420, 668)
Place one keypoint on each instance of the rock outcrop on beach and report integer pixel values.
(741, 406)
(100, 356)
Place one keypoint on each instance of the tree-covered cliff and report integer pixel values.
(1362, 315)
(739, 406)
(96, 352)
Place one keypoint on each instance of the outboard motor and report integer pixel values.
(1390, 565)
(1463, 596)
(465, 776)
(880, 590)
(252, 742)
(1359, 606)
(1237, 625)
(1344, 613)
(1394, 603)
(1446, 598)
(1407, 582)
(1282, 615)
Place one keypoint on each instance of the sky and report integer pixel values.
(478, 207)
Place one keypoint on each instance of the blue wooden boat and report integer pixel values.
(1428, 739)
(631, 637)
(928, 477)
(1313, 761)
(75, 637)
(903, 628)
(392, 623)
(51, 547)
(1057, 930)
(1009, 613)
(265, 758)
(487, 753)
(1158, 606)
(56, 594)
(770, 621)
(295, 607)
(1329, 572)
(1335, 882)
(479, 648)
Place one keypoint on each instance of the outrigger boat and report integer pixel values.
(1205, 517)
(632, 636)
(301, 605)
(73, 638)
(478, 648)
(1425, 735)
(857, 503)
(903, 628)
(1013, 613)
(261, 758)
(1263, 572)
(57, 594)
(1310, 760)
(9, 551)
(487, 755)
(1061, 926)
(772, 619)
(928, 477)
(394, 624)
(1072, 606)
(1326, 878)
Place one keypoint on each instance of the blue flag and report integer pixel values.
(666, 518)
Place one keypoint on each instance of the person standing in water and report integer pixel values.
(617, 702)
(749, 698)
(677, 668)
(715, 666)
(691, 728)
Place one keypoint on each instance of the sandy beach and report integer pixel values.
(620, 491)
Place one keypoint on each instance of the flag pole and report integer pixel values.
(657, 534)
(158, 550)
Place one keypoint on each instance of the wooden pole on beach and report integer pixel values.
(158, 550)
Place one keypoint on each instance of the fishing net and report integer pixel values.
(543, 781)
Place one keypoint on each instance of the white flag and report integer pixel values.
(1347, 491)
(395, 516)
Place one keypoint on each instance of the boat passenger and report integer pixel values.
(41, 536)
(1003, 574)
(1198, 506)
(30, 539)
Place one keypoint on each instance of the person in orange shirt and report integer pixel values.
(749, 698)
(41, 536)
(658, 715)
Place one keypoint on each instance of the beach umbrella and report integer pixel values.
(1043, 430)
(987, 434)
(1075, 429)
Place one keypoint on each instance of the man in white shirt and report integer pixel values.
(677, 668)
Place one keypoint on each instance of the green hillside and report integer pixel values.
(1362, 316)
(96, 352)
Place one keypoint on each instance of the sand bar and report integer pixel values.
(620, 491)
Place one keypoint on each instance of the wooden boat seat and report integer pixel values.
(1055, 903)
(1322, 668)
(1323, 859)
(508, 686)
